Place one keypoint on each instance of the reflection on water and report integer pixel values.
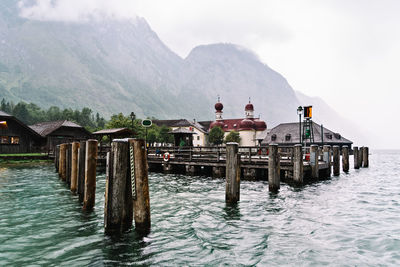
(348, 220)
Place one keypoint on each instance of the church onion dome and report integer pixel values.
(219, 106)
(217, 123)
(246, 124)
(249, 106)
(260, 125)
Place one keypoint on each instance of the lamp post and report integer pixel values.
(300, 112)
(133, 117)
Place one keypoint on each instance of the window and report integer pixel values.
(328, 135)
(337, 136)
(287, 137)
(4, 140)
(273, 137)
(198, 137)
(15, 140)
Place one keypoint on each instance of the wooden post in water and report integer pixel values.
(360, 156)
(81, 170)
(232, 173)
(140, 183)
(336, 160)
(298, 167)
(327, 159)
(62, 166)
(274, 169)
(355, 156)
(118, 207)
(345, 158)
(57, 157)
(68, 164)
(74, 167)
(314, 161)
(90, 174)
(365, 157)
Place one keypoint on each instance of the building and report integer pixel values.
(16, 137)
(251, 130)
(192, 132)
(59, 132)
(288, 134)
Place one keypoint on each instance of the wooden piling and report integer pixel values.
(355, 156)
(68, 164)
(314, 161)
(327, 159)
(57, 157)
(81, 170)
(360, 156)
(336, 160)
(298, 167)
(90, 174)
(118, 207)
(366, 157)
(74, 167)
(274, 169)
(141, 196)
(62, 163)
(232, 173)
(345, 158)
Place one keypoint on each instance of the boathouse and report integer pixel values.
(59, 132)
(16, 137)
(287, 134)
(251, 130)
(192, 132)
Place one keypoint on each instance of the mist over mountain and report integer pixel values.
(121, 65)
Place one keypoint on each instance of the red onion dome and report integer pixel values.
(217, 123)
(260, 125)
(249, 106)
(246, 124)
(219, 106)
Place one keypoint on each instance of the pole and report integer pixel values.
(274, 169)
(232, 173)
(300, 129)
(90, 174)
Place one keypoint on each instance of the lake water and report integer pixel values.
(352, 220)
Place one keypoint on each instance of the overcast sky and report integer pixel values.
(345, 51)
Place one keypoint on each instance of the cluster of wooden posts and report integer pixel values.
(361, 159)
(127, 190)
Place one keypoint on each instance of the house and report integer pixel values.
(192, 132)
(16, 137)
(288, 134)
(59, 132)
(251, 130)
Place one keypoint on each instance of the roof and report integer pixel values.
(46, 128)
(8, 116)
(3, 114)
(293, 129)
(181, 131)
(205, 124)
(181, 123)
(114, 131)
(234, 124)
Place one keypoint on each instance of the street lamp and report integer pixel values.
(300, 112)
(133, 117)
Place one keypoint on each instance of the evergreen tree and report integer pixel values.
(216, 135)
(233, 136)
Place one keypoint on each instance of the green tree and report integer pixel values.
(216, 135)
(233, 136)
(164, 136)
(119, 121)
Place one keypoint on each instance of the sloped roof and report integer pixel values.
(180, 123)
(293, 129)
(8, 116)
(114, 131)
(46, 128)
(182, 131)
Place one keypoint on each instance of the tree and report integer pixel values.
(233, 136)
(216, 135)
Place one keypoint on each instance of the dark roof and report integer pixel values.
(8, 116)
(46, 128)
(205, 124)
(180, 123)
(182, 131)
(293, 129)
(114, 131)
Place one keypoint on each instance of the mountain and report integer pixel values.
(116, 66)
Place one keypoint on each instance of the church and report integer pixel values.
(251, 130)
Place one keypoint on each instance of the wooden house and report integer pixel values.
(16, 137)
(59, 132)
